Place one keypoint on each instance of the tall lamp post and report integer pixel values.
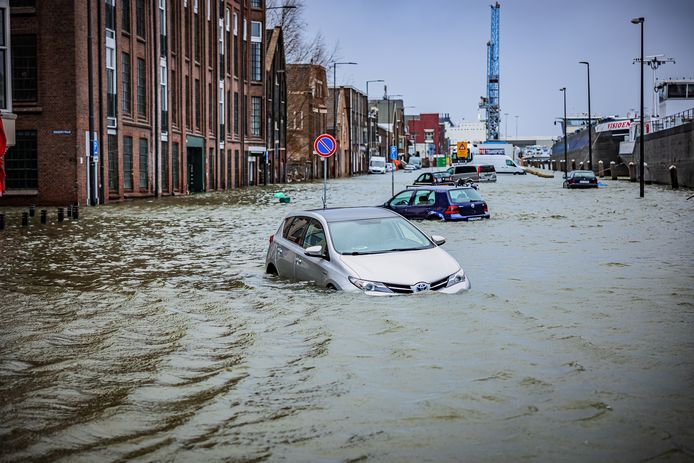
(335, 64)
(368, 117)
(405, 124)
(590, 130)
(506, 124)
(566, 142)
(641, 166)
(392, 128)
(516, 116)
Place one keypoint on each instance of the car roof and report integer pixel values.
(439, 187)
(339, 214)
(582, 171)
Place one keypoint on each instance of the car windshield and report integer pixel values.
(441, 174)
(375, 236)
(464, 195)
(377, 163)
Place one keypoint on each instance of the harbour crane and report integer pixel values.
(491, 103)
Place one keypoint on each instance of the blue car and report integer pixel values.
(439, 203)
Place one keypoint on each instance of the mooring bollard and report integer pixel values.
(573, 164)
(69, 211)
(601, 169)
(75, 212)
(632, 172)
(32, 211)
(673, 178)
(2, 221)
(589, 166)
(44, 216)
(580, 165)
(61, 214)
(25, 219)
(613, 170)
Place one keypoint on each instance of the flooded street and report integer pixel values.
(148, 331)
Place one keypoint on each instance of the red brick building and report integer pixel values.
(427, 133)
(179, 98)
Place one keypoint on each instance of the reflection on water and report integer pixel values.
(149, 331)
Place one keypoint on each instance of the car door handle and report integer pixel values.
(298, 261)
(279, 251)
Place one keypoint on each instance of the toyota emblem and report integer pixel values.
(419, 287)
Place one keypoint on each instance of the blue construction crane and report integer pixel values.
(491, 102)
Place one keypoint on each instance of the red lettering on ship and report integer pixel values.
(618, 125)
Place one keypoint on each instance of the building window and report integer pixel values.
(236, 113)
(256, 57)
(211, 107)
(164, 95)
(113, 162)
(174, 99)
(196, 34)
(4, 65)
(110, 14)
(298, 121)
(111, 97)
(211, 185)
(188, 103)
(237, 168)
(144, 164)
(126, 79)
(128, 163)
(125, 15)
(174, 165)
(256, 3)
(228, 182)
(256, 115)
(198, 104)
(140, 17)
(23, 3)
(235, 45)
(141, 88)
(162, 28)
(24, 68)
(21, 163)
(165, 166)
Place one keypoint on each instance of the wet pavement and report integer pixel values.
(148, 331)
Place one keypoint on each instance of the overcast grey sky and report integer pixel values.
(433, 52)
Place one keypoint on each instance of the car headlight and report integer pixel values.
(457, 277)
(369, 286)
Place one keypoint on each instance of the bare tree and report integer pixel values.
(297, 48)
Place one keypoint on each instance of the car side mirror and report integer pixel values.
(314, 251)
(438, 240)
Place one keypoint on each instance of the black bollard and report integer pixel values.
(69, 211)
(673, 177)
(573, 164)
(44, 216)
(32, 211)
(75, 212)
(61, 214)
(25, 219)
(2, 221)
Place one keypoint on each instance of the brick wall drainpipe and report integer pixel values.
(155, 78)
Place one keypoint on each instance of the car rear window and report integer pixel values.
(584, 175)
(487, 169)
(463, 195)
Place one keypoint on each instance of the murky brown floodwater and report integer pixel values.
(147, 331)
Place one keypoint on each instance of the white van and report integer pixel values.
(416, 161)
(377, 165)
(502, 164)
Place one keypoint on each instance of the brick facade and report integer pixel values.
(189, 111)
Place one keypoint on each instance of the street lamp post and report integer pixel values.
(566, 142)
(391, 124)
(641, 163)
(590, 130)
(368, 117)
(516, 116)
(506, 124)
(335, 110)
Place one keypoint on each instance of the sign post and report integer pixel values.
(393, 157)
(325, 146)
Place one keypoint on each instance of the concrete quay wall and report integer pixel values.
(666, 148)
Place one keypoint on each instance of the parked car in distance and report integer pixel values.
(368, 249)
(390, 167)
(487, 173)
(377, 165)
(463, 173)
(439, 203)
(408, 167)
(581, 179)
(502, 164)
(416, 161)
(433, 178)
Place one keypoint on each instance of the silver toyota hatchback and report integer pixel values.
(367, 249)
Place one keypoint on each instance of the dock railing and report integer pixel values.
(672, 121)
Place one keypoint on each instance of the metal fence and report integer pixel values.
(672, 121)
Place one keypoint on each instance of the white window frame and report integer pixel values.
(236, 24)
(258, 38)
(5, 12)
